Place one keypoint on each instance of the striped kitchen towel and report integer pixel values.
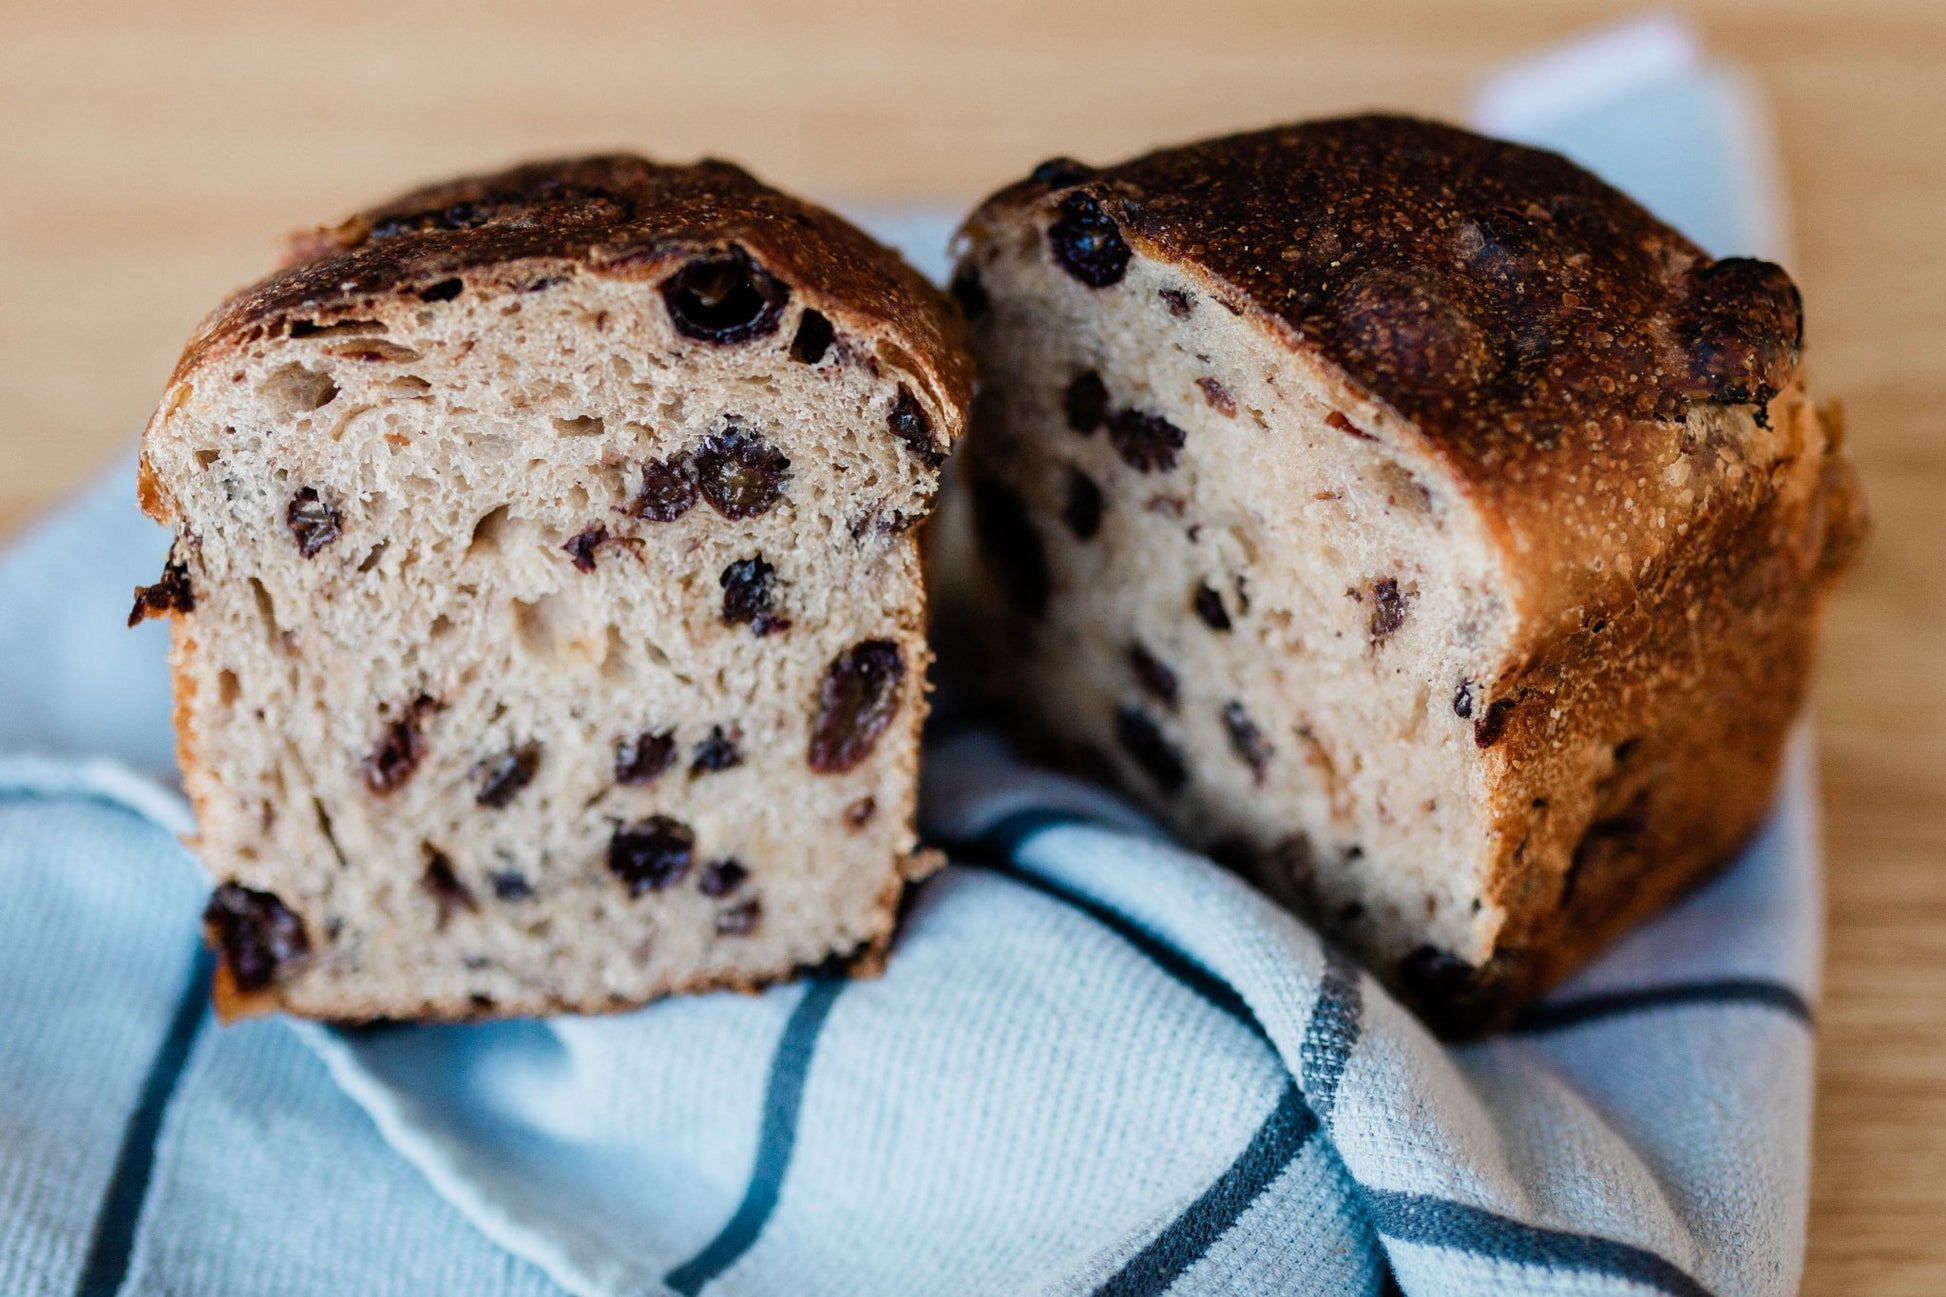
(1096, 1064)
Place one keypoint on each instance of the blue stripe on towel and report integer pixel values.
(128, 1186)
(1330, 1036)
(1183, 1241)
(1755, 992)
(782, 1098)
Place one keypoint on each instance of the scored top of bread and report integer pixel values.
(1524, 317)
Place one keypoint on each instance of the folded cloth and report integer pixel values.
(1097, 1063)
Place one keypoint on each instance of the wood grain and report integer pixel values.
(153, 154)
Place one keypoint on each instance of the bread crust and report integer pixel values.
(1567, 359)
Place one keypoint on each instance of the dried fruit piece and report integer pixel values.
(510, 885)
(1246, 740)
(256, 933)
(1179, 303)
(314, 522)
(1059, 173)
(652, 854)
(813, 338)
(399, 750)
(724, 297)
(1082, 512)
(1488, 729)
(444, 885)
(1153, 674)
(1085, 402)
(739, 473)
(668, 490)
(857, 699)
(1145, 442)
(1209, 607)
(507, 775)
(1388, 608)
(639, 760)
(717, 751)
(1008, 539)
(581, 548)
(1463, 700)
(721, 877)
(748, 596)
(1218, 396)
(443, 291)
(741, 920)
(909, 423)
(170, 593)
(1087, 244)
(860, 813)
(1145, 743)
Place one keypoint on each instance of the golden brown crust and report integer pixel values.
(1539, 330)
(614, 215)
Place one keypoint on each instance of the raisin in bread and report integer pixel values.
(549, 627)
(1409, 518)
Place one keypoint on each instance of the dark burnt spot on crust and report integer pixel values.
(668, 491)
(1154, 675)
(970, 294)
(1218, 396)
(1146, 442)
(651, 854)
(444, 290)
(170, 594)
(740, 920)
(813, 338)
(1488, 730)
(739, 473)
(857, 698)
(1011, 546)
(257, 935)
(1246, 740)
(639, 760)
(1084, 403)
(1745, 329)
(911, 425)
(860, 813)
(1388, 609)
(582, 545)
(720, 749)
(749, 597)
(1612, 841)
(442, 883)
(721, 877)
(312, 521)
(1146, 745)
(724, 297)
(1082, 510)
(1209, 607)
(1087, 243)
(400, 748)
(507, 774)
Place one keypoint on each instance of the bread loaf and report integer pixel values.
(1410, 519)
(549, 630)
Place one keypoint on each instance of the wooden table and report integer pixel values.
(149, 156)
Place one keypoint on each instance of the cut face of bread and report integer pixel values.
(1471, 676)
(551, 633)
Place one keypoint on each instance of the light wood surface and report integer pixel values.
(150, 156)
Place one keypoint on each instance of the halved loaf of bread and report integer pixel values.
(549, 631)
(1409, 518)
